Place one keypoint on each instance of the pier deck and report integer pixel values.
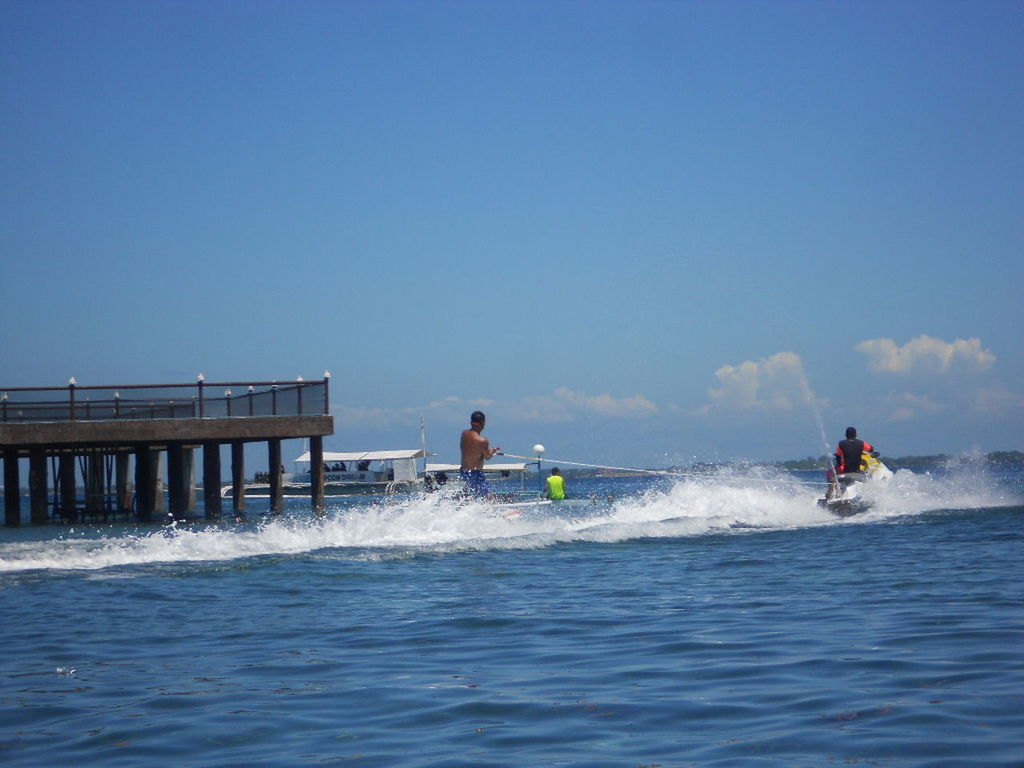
(91, 436)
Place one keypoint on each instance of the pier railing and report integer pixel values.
(196, 400)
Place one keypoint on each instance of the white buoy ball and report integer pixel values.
(538, 449)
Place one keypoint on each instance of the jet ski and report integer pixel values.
(845, 494)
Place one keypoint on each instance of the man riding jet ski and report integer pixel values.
(855, 462)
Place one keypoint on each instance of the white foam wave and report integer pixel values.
(724, 501)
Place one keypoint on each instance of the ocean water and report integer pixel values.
(712, 620)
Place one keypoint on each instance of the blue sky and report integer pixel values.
(640, 233)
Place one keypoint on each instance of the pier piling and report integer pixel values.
(237, 477)
(274, 471)
(12, 488)
(316, 472)
(68, 504)
(212, 506)
(38, 501)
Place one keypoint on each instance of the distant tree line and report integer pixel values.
(1011, 458)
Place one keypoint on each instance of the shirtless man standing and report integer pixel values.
(475, 451)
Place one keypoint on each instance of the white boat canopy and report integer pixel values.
(487, 467)
(366, 455)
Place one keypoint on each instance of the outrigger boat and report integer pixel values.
(347, 474)
(845, 492)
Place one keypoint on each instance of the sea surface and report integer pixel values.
(716, 619)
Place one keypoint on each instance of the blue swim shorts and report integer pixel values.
(476, 481)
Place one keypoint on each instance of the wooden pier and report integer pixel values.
(109, 440)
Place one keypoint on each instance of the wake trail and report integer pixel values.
(726, 500)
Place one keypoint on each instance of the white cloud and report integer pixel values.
(776, 383)
(908, 406)
(453, 404)
(348, 417)
(996, 399)
(606, 405)
(990, 401)
(447, 410)
(562, 405)
(926, 354)
(937, 376)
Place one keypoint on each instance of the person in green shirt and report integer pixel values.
(556, 486)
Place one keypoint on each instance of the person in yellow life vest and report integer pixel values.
(556, 486)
